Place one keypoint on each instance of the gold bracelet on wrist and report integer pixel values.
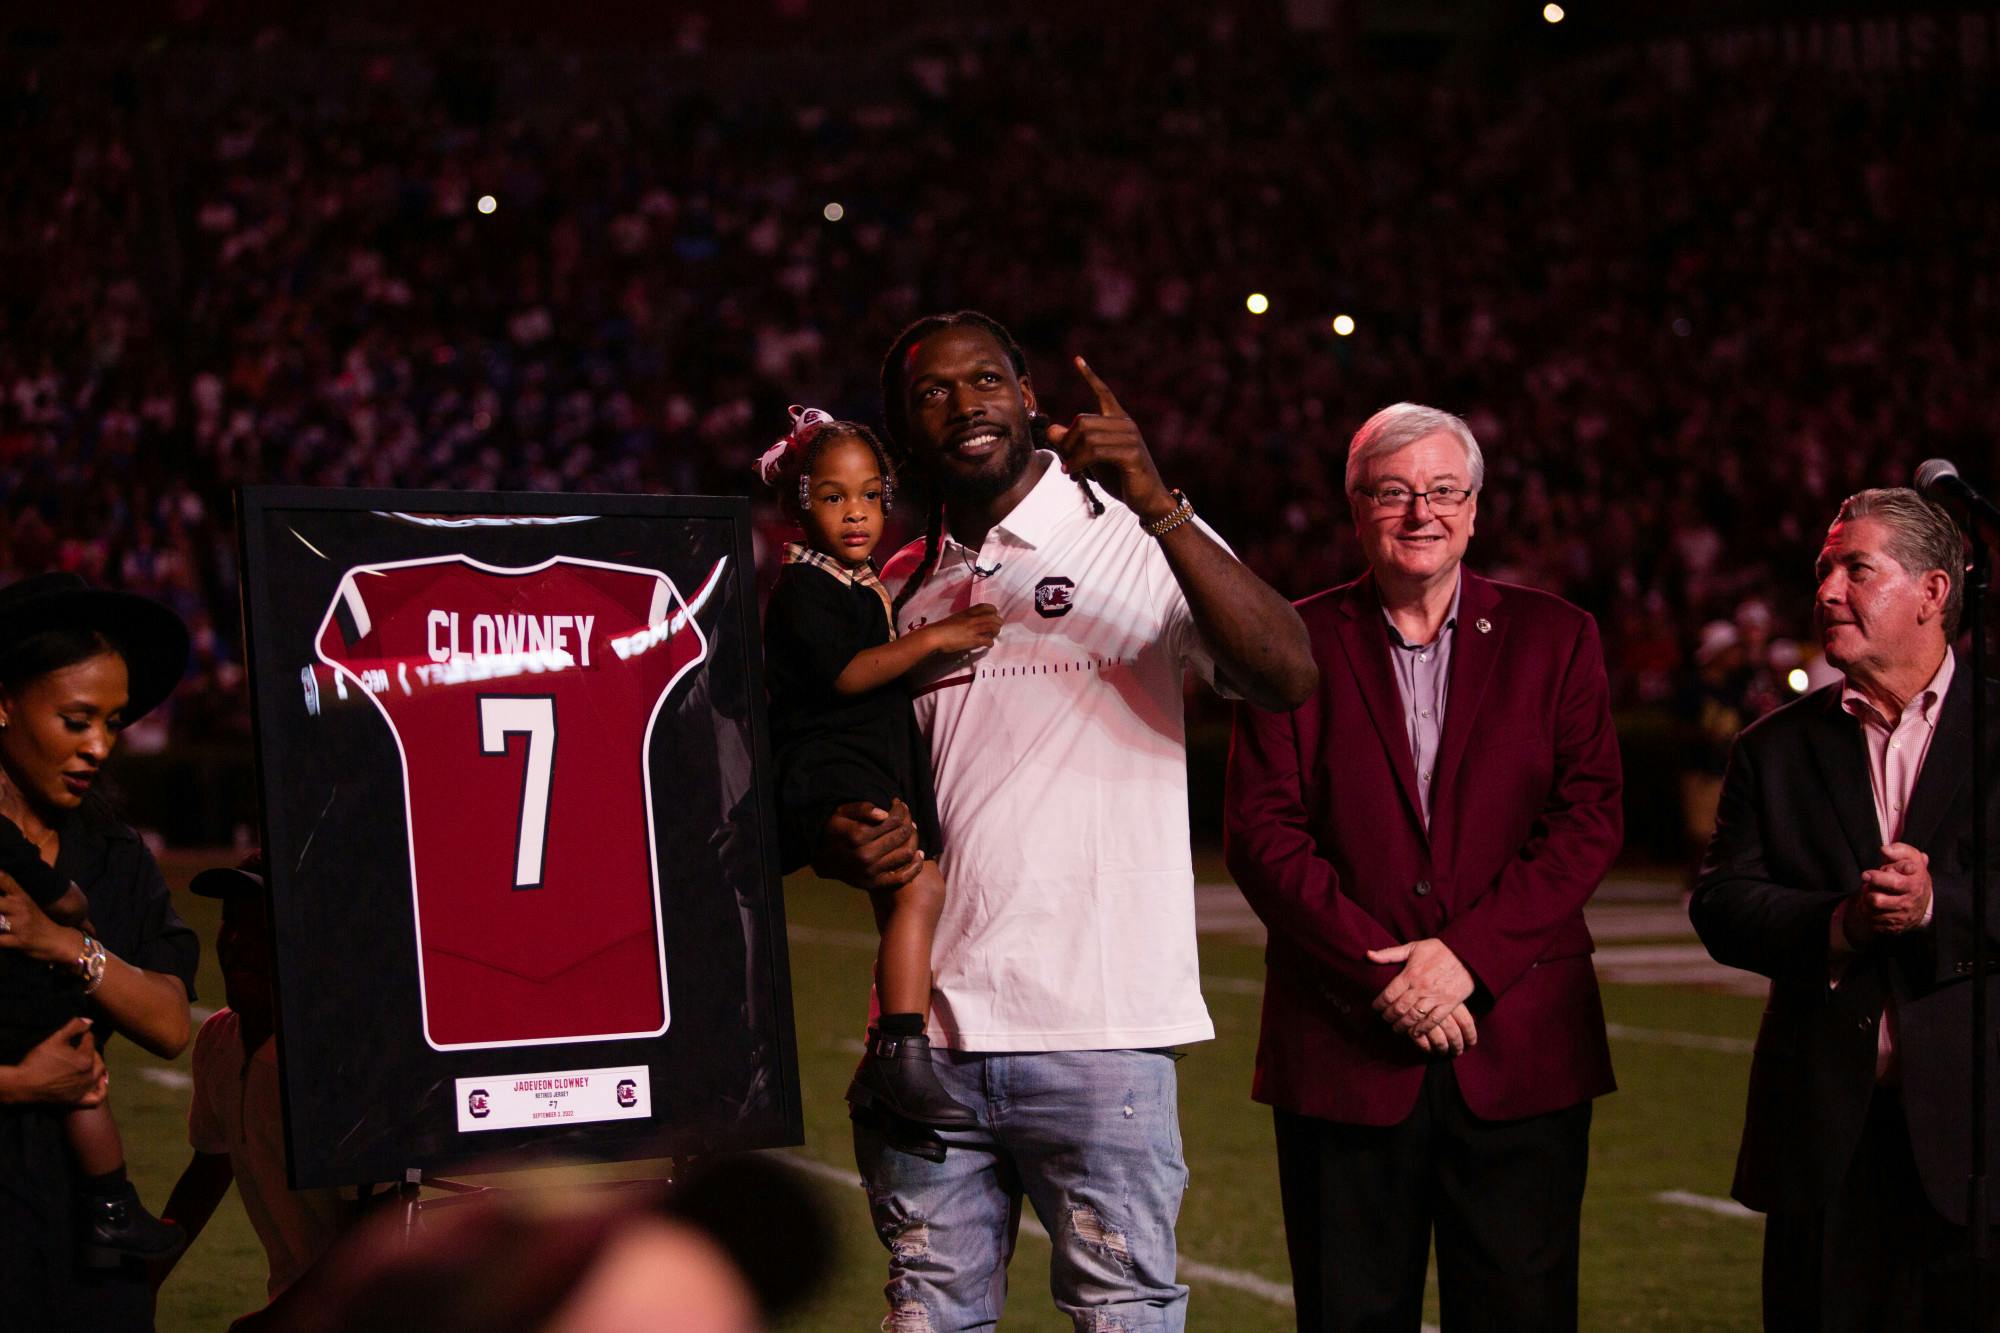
(1173, 518)
(90, 964)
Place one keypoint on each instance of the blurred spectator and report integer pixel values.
(234, 1122)
(733, 1245)
(1713, 713)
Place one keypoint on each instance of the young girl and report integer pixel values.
(843, 729)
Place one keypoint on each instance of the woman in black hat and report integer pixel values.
(77, 665)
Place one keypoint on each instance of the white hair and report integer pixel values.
(1400, 425)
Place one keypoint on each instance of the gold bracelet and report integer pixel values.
(90, 964)
(1173, 518)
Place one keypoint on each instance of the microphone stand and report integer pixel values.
(1978, 582)
(1938, 478)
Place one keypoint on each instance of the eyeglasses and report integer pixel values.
(1398, 499)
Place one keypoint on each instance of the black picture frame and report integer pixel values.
(375, 1079)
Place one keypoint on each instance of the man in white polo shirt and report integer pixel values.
(1065, 959)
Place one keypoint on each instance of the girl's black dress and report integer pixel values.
(47, 1288)
(831, 748)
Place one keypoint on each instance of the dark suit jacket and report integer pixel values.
(1795, 829)
(1325, 836)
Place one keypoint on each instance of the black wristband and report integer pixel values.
(20, 859)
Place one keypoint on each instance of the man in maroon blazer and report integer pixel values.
(1420, 837)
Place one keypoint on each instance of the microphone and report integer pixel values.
(1938, 478)
(974, 568)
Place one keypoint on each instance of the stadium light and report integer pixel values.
(833, 212)
(1552, 13)
(487, 203)
(1257, 303)
(1343, 325)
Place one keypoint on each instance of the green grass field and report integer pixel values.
(1647, 1264)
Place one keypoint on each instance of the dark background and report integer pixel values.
(1693, 273)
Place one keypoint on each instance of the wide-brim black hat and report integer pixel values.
(152, 638)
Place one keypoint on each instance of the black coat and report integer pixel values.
(45, 1286)
(1795, 830)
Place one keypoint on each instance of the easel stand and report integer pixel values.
(411, 1193)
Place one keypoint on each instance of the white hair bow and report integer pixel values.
(806, 423)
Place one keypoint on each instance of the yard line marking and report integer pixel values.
(1617, 890)
(1653, 955)
(167, 1078)
(1693, 1041)
(1233, 985)
(1219, 909)
(1637, 921)
(1707, 1203)
(1278, 1293)
(814, 1167)
(1708, 976)
(1672, 965)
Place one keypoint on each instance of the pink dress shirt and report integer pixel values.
(1896, 750)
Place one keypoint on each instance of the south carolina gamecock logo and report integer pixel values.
(1054, 597)
(628, 1093)
(476, 1102)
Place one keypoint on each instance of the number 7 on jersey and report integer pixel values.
(533, 716)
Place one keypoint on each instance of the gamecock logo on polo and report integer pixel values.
(1054, 597)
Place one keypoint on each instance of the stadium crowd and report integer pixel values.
(220, 277)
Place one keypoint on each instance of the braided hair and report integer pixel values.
(896, 418)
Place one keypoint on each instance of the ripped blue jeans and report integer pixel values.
(1092, 1139)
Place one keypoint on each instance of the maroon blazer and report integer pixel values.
(1325, 836)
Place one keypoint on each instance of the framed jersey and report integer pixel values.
(524, 881)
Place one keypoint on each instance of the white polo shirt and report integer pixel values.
(1061, 769)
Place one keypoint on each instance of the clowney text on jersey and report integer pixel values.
(506, 635)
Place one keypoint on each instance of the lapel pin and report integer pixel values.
(1483, 625)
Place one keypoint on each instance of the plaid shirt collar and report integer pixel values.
(797, 553)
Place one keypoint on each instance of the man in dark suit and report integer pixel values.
(1420, 837)
(1840, 869)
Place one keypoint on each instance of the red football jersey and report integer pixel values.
(522, 702)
